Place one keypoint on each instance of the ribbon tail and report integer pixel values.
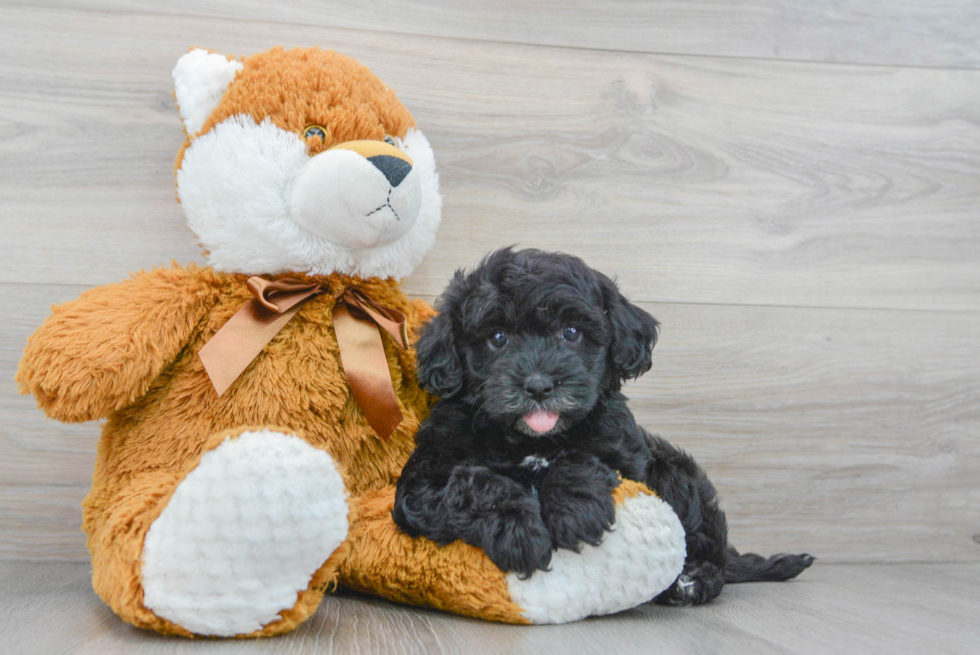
(239, 341)
(362, 355)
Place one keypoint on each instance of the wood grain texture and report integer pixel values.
(43, 521)
(50, 609)
(850, 434)
(938, 33)
(695, 179)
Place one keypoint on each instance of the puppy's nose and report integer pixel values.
(539, 385)
(393, 168)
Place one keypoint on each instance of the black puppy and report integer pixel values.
(521, 455)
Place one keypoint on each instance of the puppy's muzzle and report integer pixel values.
(539, 386)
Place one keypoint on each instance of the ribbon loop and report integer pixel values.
(287, 292)
(357, 321)
(388, 319)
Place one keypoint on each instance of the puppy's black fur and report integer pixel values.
(530, 331)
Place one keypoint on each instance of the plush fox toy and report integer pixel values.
(259, 411)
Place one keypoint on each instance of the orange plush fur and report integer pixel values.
(297, 88)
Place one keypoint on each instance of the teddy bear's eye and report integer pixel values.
(390, 141)
(315, 131)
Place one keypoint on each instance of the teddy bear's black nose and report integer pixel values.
(393, 168)
(539, 385)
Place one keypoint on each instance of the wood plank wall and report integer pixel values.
(792, 188)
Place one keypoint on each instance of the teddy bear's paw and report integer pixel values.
(243, 534)
(641, 557)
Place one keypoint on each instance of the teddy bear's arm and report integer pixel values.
(100, 352)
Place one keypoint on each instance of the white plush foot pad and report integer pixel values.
(243, 534)
(639, 559)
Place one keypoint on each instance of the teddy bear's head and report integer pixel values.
(302, 161)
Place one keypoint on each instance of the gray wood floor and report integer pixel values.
(792, 188)
(48, 608)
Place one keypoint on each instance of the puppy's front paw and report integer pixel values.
(573, 522)
(519, 544)
(577, 504)
(501, 517)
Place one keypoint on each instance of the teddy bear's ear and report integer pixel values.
(200, 79)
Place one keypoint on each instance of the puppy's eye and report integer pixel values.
(498, 339)
(315, 131)
(390, 141)
(571, 334)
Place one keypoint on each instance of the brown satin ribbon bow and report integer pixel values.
(356, 321)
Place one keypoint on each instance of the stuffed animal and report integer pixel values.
(259, 411)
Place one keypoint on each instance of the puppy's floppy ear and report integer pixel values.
(634, 332)
(439, 369)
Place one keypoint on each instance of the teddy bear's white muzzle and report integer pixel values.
(356, 201)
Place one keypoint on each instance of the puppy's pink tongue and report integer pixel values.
(541, 421)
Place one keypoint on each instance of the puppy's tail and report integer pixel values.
(756, 568)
